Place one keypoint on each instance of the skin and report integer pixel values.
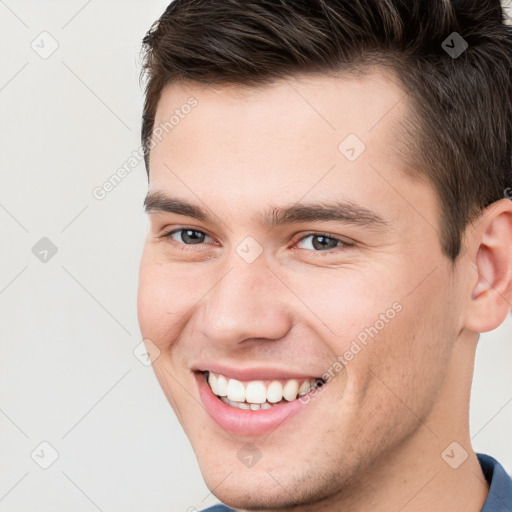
(372, 439)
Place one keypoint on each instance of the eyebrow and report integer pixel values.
(340, 211)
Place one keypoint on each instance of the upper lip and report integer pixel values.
(252, 373)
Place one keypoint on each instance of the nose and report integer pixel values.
(248, 303)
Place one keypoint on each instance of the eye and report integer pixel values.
(187, 236)
(318, 242)
(322, 242)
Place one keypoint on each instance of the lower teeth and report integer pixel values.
(247, 406)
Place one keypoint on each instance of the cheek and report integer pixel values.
(381, 334)
(407, 360)
(166, 295)
(345, 305)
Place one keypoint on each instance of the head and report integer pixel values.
(341, 175)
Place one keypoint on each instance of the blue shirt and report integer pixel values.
(499, 498)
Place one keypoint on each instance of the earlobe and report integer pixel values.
(491, 255)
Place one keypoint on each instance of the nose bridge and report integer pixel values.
(245, 303)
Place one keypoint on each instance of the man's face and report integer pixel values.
(365, 300)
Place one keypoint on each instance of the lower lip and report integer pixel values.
(242, 421)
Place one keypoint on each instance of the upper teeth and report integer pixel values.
(256, 391)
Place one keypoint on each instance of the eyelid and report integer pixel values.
(344, 243)
(297, 239)
(168, 234)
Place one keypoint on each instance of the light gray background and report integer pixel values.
(68, 326)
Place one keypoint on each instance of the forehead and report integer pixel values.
(294, 121)
(295, 106)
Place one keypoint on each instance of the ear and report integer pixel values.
(489, 249)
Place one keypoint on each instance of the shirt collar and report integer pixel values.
(499, 498)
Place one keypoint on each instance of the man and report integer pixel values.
(330, 230)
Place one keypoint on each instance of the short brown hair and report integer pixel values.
(462, 104)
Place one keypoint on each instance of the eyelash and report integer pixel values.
(343, 245)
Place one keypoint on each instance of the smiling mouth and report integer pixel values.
(259, 394)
